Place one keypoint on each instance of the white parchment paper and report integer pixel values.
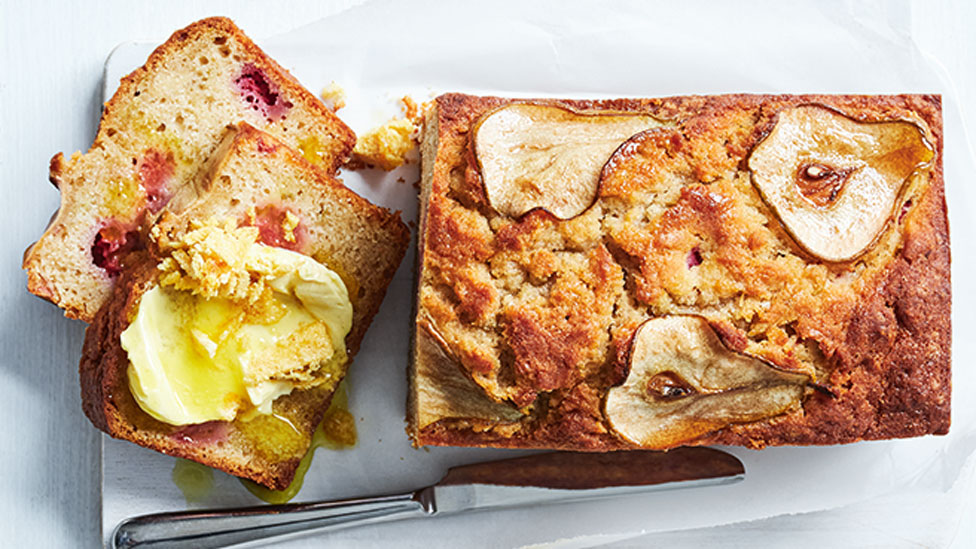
(381, 51)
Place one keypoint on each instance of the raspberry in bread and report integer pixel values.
(256, 195)
(650, 273)
(165, 119)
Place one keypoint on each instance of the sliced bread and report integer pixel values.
(164, 121)
(256, 180)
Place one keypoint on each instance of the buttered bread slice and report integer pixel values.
(164, 121)
(224, 341)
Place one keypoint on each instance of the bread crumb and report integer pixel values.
(288, 225)
(210, 260)
(334, 96)
(387, 146)
(390, 145)
(305, 358)
(410, 110)
(413, 111)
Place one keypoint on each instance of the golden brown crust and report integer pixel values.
(874, 332)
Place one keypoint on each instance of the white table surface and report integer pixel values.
(50, 75)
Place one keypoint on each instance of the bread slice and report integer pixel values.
(528, 322)
(257, 180)
(164, 121)
(260, 181)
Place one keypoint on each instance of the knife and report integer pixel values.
(555, 477)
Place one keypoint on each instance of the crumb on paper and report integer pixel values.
(334, 96)
(393, 144)
(410, 110)
(387, 146)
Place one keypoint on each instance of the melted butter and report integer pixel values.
(338, 428)
(121, 196)
(194, 480)
(352, 285)
(336, 432)
(272, 436)
(169, 376)
(232, 326)
(313, 150)
(191, 359)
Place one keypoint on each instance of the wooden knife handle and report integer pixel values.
(582, 470)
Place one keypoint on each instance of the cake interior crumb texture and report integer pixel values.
(160, 126)
(529, 327)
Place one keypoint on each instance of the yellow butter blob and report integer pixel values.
(195, 358)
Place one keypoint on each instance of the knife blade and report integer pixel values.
(549, 478)
(573, 476)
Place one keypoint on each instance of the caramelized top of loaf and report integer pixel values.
(165, 120)
(539, 312)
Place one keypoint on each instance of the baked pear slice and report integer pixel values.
(441, 390)
(684, 383)
(834, 181)
(535, 156)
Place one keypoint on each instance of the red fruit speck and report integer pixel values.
(270, 220)
(155, 171)
(694, 258)
(260, 94)
(111, 245)
(202, 433)
(904, 209)
(265, 147)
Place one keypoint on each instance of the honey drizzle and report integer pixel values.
(196, 481)
(336, 432)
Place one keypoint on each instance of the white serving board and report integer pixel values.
(384, 50)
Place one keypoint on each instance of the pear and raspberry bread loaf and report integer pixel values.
(255, 182)
(650, 273)
(164, 121)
